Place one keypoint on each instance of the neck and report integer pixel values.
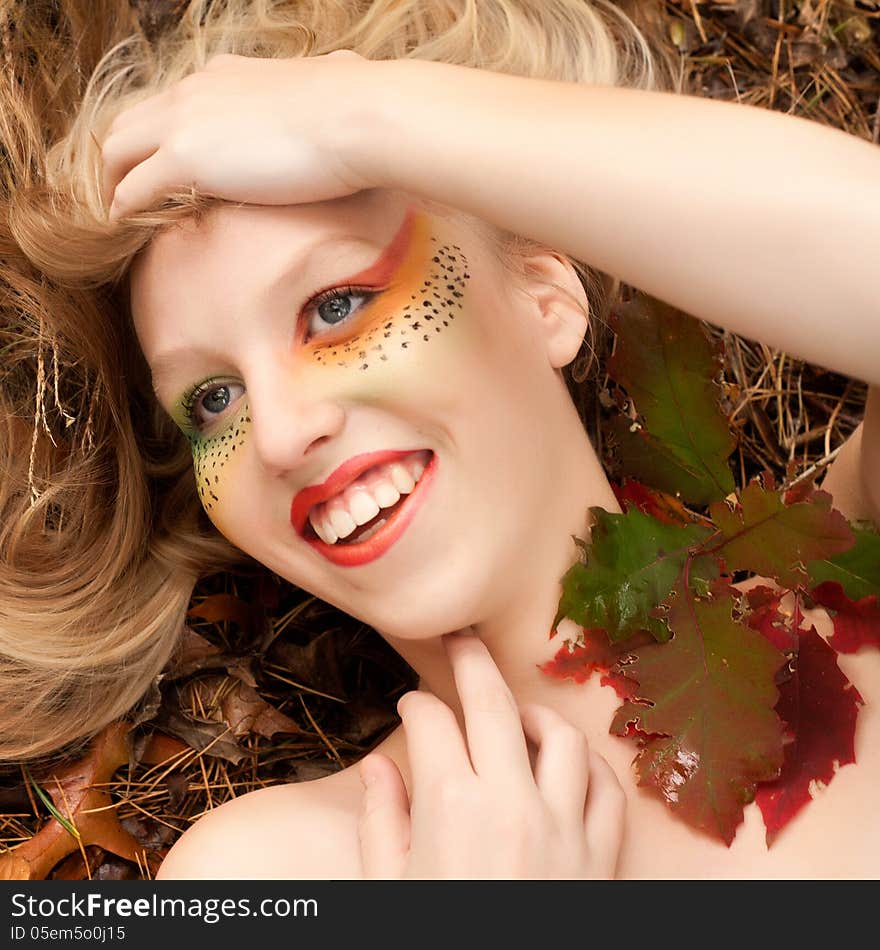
(517, 629)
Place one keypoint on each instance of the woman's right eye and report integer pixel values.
(209, 402)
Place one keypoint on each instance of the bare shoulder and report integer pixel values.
(853, 478)
(306, 830)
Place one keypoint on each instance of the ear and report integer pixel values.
(561, 305)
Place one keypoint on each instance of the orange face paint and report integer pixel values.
(420, 283)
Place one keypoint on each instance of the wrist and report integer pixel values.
(367, 138)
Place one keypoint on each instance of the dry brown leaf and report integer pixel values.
(220, 607)
(74, 794)
(212, 738)
(193, 653)
(247, 712)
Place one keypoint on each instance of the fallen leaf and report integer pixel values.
(193, 653)
(76, 793)
(218, 608)
(203, 735)
(247, 712)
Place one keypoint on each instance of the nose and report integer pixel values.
(289, 421)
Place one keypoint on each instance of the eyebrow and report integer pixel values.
(166, 364)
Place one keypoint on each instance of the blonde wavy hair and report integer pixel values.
(102, 537)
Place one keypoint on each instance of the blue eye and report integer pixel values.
(334, 306)
(208, 402)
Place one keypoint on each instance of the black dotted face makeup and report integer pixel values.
(422, 301)
(215, 457)
(420, 286)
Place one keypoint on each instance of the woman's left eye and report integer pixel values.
(333, 307)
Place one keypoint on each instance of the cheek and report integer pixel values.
(216, 461)
(420, 324)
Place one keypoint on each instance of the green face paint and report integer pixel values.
(420, 283)
(216, 457)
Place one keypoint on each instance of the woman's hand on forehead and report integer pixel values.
(478, 808)
(252, 130)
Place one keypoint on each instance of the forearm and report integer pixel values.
(758, 222)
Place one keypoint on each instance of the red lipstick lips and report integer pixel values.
(357, 553)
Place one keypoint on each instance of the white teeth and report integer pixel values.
(341, 522)
(322, 528)
(361, 505)
(415, 466)
(403, 481)
(361, 502)
(385, 494)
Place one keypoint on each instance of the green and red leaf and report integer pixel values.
(681, 440)
(819, 706)
(856, 623)
(707, 698)
(632, 564)
(857, 569)
(765, 535)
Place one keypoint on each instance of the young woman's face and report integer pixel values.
(368, 399)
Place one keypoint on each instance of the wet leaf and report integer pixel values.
(765, 535)
(632, 564)
(578, 661)
(856, 623)
(706, 700)
(857, 570)
(651, 502)
(681, 441)
(819, 706)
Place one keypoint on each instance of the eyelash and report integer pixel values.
(190, 400)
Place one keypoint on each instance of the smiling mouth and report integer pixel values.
(369, 510)
(362, 508)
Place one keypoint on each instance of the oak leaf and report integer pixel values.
(77, 794)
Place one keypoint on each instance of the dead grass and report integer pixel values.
(335, 680)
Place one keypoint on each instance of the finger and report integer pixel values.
(134, 136)
(562, 767)
(384, 822)
(434, 743)
(145, 186)
(605, 811)
(494, 732)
